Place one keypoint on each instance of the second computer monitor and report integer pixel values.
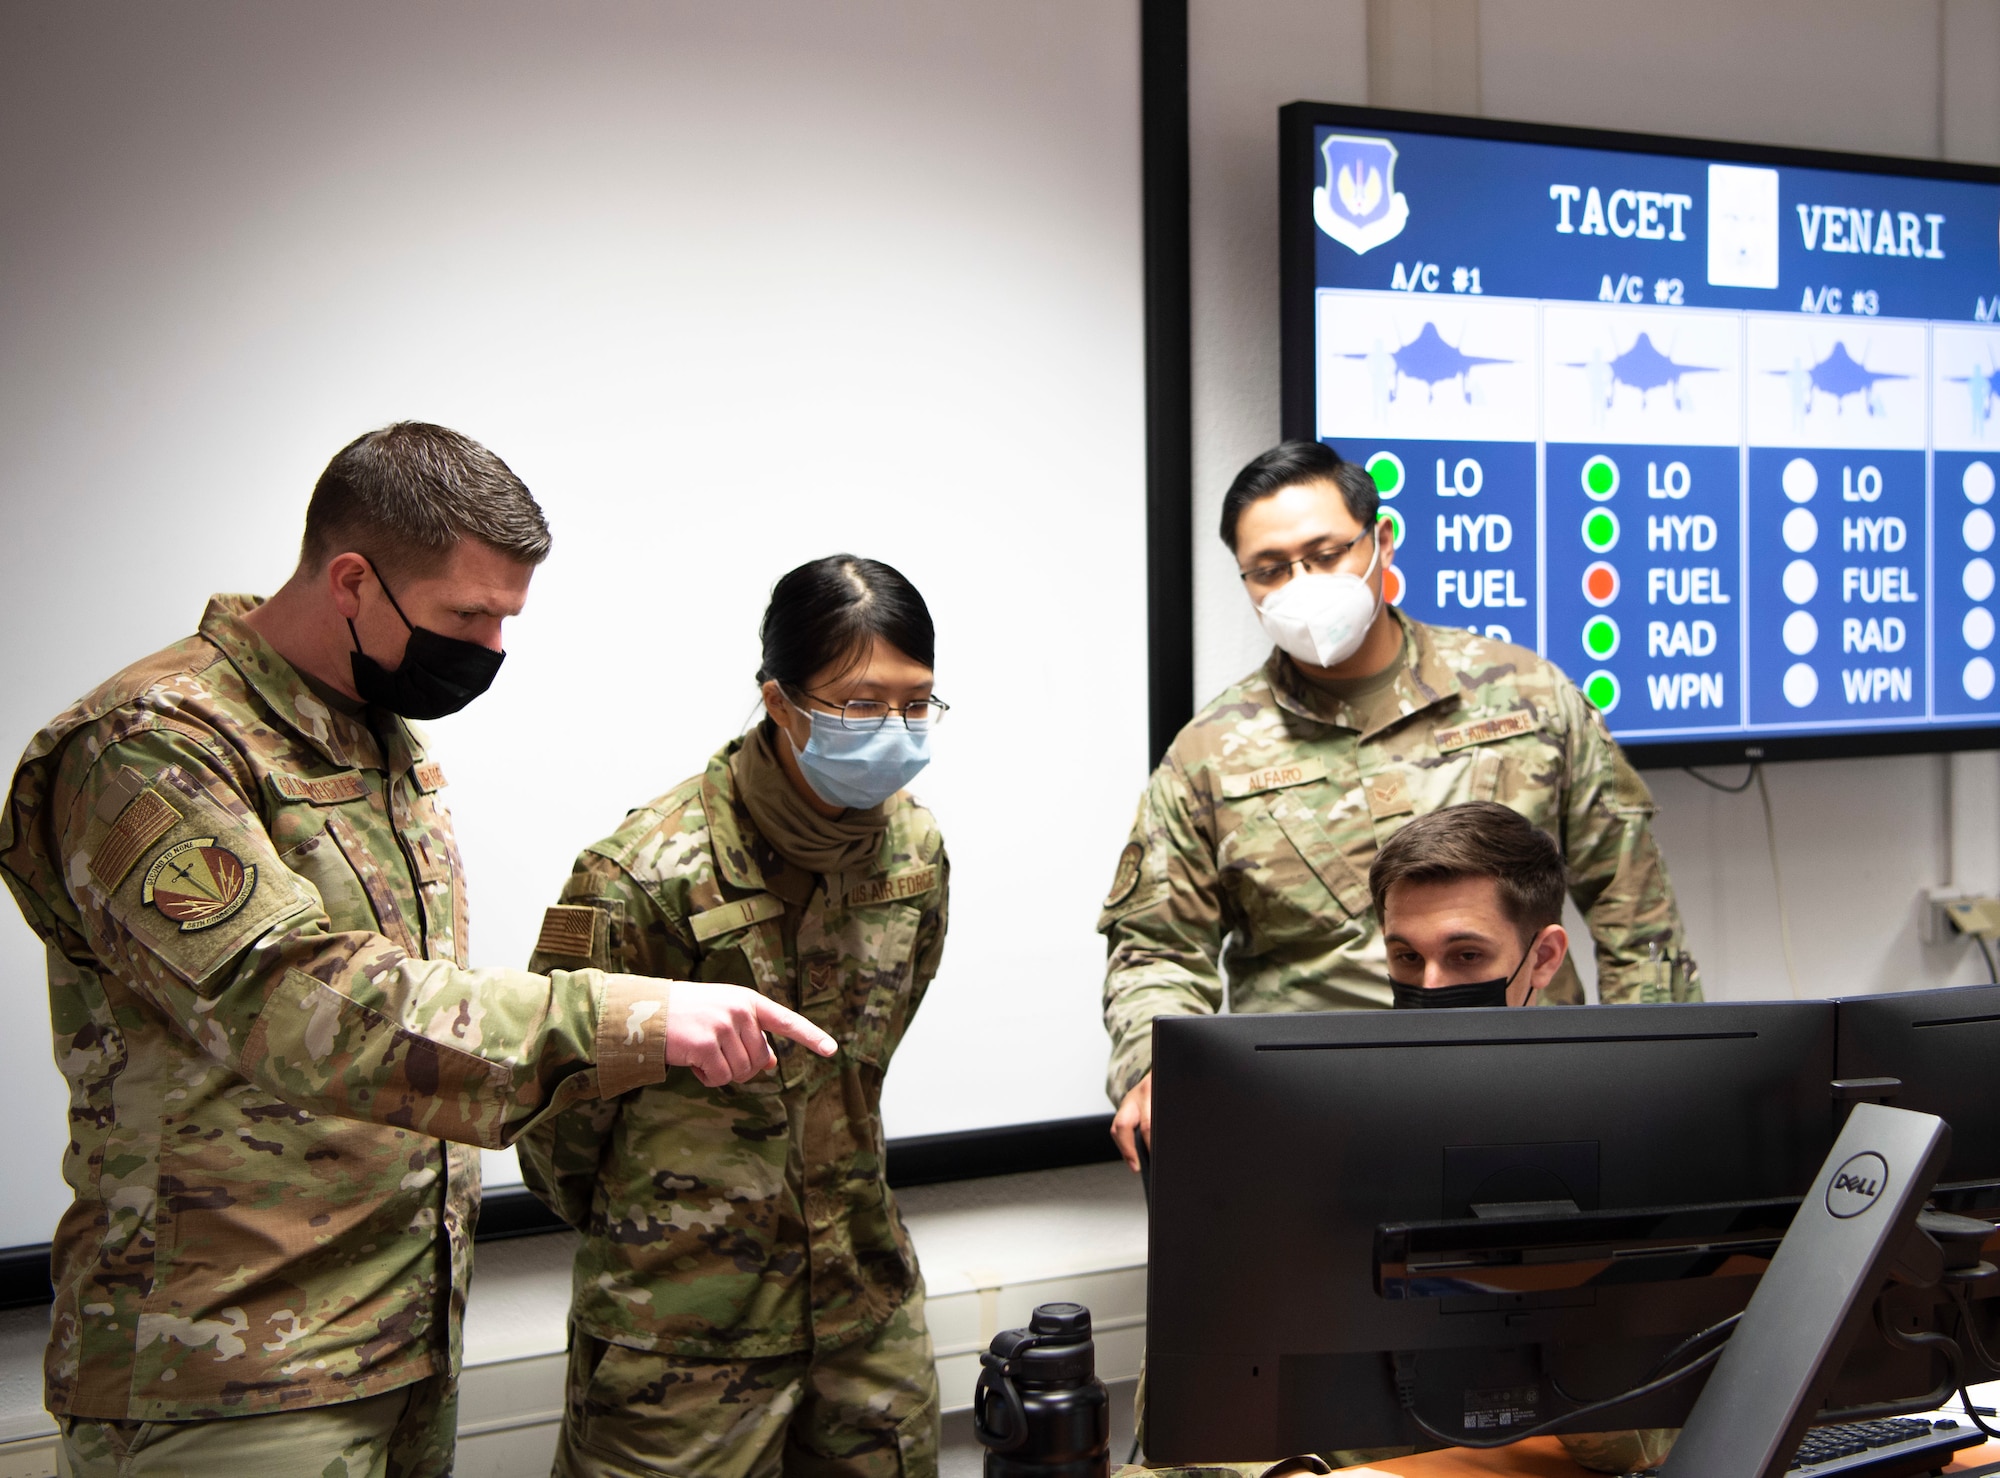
(1282, 1142)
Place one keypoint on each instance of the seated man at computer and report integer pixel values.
(1470, 901)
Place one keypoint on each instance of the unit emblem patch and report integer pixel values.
(198, 884)
(1127, 876)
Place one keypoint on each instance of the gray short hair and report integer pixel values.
(404, 495)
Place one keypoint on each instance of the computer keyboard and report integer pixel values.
(1896, 1448)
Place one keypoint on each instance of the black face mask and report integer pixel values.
(438, 674)
(1444, 997)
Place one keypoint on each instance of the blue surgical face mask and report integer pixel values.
(860, 768)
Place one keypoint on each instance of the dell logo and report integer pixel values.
(1857, 1184)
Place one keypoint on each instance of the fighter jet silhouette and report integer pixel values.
(1979, 383)
(1838, 376)
(1642, 368)
(1428, 360)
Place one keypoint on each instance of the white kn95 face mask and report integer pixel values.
(1322, 620)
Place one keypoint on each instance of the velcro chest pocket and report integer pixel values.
(1296, 796)
(855, 980)
(1489, 759)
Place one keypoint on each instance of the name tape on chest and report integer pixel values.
(1485, 731)
(741, 914)
(147, 817)
(1273, 777)
(906, 884)
(569, 930)
(320, 790)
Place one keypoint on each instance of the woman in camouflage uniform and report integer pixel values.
(746, 1301)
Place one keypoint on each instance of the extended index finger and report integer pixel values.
(788, 1023)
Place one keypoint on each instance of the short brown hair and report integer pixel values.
(1480, 839)
(404, 495)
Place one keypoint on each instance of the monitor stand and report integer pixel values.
(1813, 1301)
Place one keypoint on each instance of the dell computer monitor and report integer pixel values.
(1282, 1143)
(1944, 1047)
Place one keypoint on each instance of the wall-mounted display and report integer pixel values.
(1712, 427)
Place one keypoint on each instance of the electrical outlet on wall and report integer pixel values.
(1946, 914)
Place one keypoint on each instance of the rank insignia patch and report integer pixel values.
(198, 884)
(1127, 876)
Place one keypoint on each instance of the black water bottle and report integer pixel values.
(1039, 1409)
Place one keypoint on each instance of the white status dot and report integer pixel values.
(1978, 628)
(1801, 581)
(1801, 530)
(1801, 633)
(1978, 579)
(1801, 684)
(1978, 679)
(1801, 480)
(1978, 530)
(1978, 482)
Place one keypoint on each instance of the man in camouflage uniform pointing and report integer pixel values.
(1257, 830)
(238, 855)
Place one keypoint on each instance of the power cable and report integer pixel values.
(1777, 881)
(1756, 778)
(1406, 1395)
(1748, 780)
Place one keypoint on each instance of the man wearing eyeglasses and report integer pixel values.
(1256, 832)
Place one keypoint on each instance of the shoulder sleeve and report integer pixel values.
(1162, 923)
(1617, 875)
(607, 919)
(181, 892)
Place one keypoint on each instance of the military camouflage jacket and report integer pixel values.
(255, 925)
(751, 1219)
(1258, 828)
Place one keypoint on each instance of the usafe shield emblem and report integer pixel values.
(198, 884)
(1358, 205)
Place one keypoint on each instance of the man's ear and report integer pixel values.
(1545, 956)
(343, 577)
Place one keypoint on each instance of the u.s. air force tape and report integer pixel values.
(1485, 731)
(905, 884)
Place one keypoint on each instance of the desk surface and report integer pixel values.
(1538, 1457)
(1543, 1457)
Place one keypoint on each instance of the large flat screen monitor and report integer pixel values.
(1944, 1046)
(1282, 1143)
(1713, 427)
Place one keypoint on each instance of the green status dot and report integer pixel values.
(1600, 477)
(1601, 688)
(1600, 637)
(1387, 470)
(1600, 529)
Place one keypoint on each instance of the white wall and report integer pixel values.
(1858, 838)
(731, 286)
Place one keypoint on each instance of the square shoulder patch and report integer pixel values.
(204, 887)
(569, 931)
(147, 817)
